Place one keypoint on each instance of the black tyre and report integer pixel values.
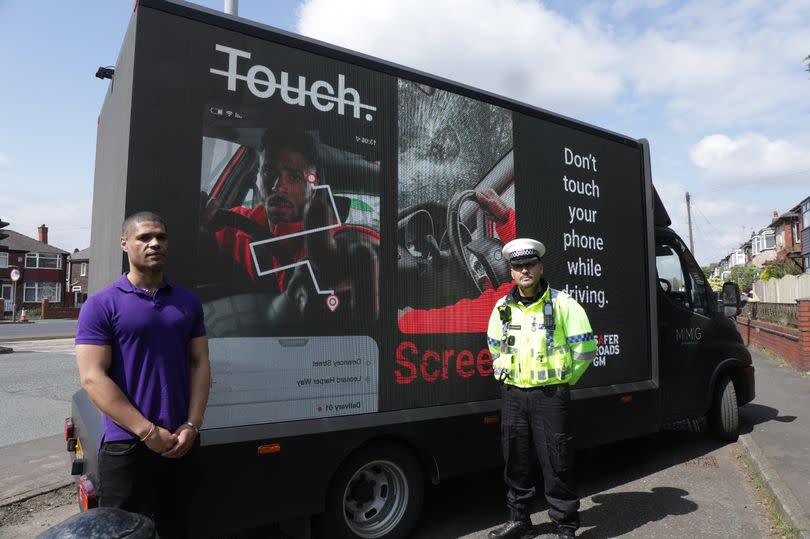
(377, 492)
(724, 416)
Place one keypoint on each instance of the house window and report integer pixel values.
(3, 260)
(806, 214)
(762, 242)
(84, 269)
(43, 260)
(36, 292)
(796, 234)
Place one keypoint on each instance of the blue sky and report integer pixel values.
(719, 88)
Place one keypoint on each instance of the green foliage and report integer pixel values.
(772, 272)
(716, 283)
(744, 276)
(776, 269)
(706, 271)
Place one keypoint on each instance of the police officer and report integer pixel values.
(541, 342)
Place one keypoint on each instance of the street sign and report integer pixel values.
(15, 274)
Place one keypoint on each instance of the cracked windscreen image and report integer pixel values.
(456, 209)
(447, 142)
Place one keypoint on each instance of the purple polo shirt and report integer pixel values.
(150, 338)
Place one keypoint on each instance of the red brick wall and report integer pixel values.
(791, 344)
(803, 316)
(49, 311)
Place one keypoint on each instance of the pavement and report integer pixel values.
(778, 443)
(36, 329)
(776, 438)
(28, 469)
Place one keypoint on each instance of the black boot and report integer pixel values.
(564, 532)
(514, 529)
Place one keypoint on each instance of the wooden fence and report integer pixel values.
(787, 289)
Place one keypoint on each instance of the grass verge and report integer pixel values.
(780, 526)
(779, 360)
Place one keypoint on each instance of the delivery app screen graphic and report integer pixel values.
(289, 235)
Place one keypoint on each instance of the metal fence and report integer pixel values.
(783, 314)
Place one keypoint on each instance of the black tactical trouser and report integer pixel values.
(536, 421)
(134, 478)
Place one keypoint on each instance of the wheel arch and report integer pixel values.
(733, 368)
(425, 458)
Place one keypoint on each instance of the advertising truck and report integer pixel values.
(341, 218)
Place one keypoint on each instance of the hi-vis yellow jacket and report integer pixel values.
(547, 342)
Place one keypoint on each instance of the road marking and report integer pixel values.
(47, 346)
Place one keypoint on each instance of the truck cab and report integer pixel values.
(705, 367)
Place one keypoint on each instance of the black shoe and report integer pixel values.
(565, 533)
(514, 529)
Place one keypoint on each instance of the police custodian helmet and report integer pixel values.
(523, 250)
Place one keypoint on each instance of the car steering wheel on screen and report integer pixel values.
(481, 258)
(346, 261)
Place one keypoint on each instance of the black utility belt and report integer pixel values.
(534, 388)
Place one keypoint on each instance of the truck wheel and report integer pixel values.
(377, 492)
(724, 415)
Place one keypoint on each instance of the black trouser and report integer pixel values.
(135, 478)
(536, 421)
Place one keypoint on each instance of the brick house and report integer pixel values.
(78, 272)
(43, 269)
(763, 246)
(802, 232)
(788, 241)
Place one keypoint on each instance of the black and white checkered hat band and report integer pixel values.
(523, 253)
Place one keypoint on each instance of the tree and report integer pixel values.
(706, 271)
(744, 276)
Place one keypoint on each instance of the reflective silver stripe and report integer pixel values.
(584, 356)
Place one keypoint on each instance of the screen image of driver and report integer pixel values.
(467, 315)
(287, 173)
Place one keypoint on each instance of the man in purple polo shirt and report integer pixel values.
(143, 360)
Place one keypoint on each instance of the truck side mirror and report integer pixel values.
(732, 306)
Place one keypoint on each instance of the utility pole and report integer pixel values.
(689, 216)
(232, 7)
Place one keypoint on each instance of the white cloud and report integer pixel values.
(5, 160)
(712, 65)
(724, 65)
(517, 48)
(719, 224)
(751, 159)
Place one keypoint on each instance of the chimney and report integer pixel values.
(775, 216)
(43, 233)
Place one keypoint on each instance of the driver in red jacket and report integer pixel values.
(467, 315)
(287, 176)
